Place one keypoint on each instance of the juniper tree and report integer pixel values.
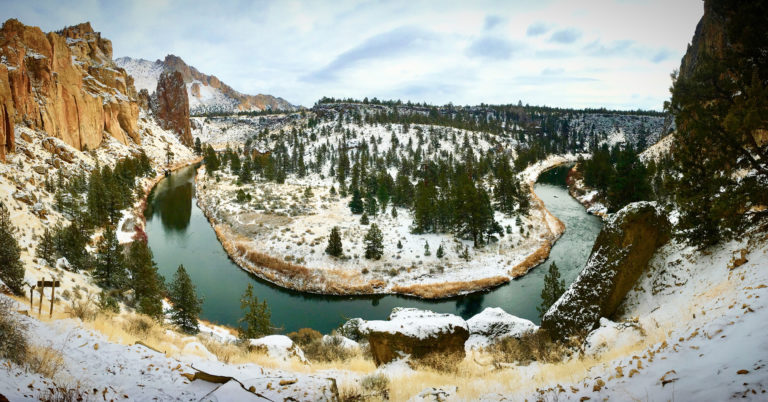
(109, 270)
(374, 243)
(186, 305)
(46, 248)
(255, 322)
(11, 268)
(554, 287)
(334, 247)
(146, 282)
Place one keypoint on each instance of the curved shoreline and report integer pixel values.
(340, 283)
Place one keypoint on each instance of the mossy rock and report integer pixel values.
(620, 255)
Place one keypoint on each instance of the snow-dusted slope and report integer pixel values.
(206, 93)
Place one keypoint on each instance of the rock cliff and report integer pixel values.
(171, 105)
(64, 83)
(620, 255)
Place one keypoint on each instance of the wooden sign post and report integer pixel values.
(31, 295)
(42, 285)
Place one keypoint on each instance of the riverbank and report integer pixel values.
(250, 241)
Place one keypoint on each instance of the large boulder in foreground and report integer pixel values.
(417, 333)
(620, 255)
(494, 324)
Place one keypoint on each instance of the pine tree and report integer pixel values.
(465, 255)
(440, 251)
(146, 282)
(11, 268)
(255, 322)
(356, 204)
(334, 247)
(109, 269)
(198, 146)
(394, 212)
(374, 247)
(46, 248)
(186, 305)
(364, 219)
(399, 244)
(427, 253)
(554, 287)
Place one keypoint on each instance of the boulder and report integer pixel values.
(620, 255)
(416, 333)
(277, 347)
(342, 341)
(24, 197)
(613, 336)
(494, 324)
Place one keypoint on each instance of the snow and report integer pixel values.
(494, 324)
(415, 323)
(342, 341)
(278, 347)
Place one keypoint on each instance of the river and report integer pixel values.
(179, 233)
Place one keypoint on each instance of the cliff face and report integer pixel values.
(64, 83)
(709, 38)
(172, 106)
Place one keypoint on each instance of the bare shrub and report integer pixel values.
(534, 346)
(13, 334)
(139, 325)
(304, 336)
(376, 385)
(63, 394)
(83, 308)
(45, 360)
(442, 363)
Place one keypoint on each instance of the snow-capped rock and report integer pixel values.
(278, 347)
(494, 324)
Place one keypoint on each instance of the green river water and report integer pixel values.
(179, 233)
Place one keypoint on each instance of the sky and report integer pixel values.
(617, 54)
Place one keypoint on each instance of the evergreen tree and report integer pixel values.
(186, 305)
(11, 268)
(374, 247)
(719, 105)
(110, 270)
(255, 322)
(465, 255)
(507, 192)
(440, 251)
(46, 248)
(554, 287)
(630, 183)
(146, 282)
(364, 219)
(334, 247)
(427, 253)
(356, 204)
(399, 244)
(198, 146)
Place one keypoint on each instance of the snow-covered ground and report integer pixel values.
(282, 223)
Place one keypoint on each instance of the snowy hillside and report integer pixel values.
(206, 93)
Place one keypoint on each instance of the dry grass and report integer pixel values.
(447, 289)
(45, 360)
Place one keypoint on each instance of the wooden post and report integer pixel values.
(31, 295)
(40, 307)
(53, 295)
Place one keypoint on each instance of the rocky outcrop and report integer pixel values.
(620, 255)
(494, 324)
(415, 333)
(171, 106)
(222, 96)
(64, 83)
(710, 37)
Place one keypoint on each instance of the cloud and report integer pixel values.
(626, 47)
(386, 45)
(489, 47)
(492, 21)
(552, 71)
(565, 36)
(536, 29)
(661, 55)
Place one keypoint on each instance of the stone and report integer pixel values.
(277, 347)
(23, 196)
(171, 106)
(620, 255)
(64, 83)
(494, 324)
(415, 333)
(40, 169)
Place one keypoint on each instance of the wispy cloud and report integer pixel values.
(626, 47)
(492, 21)
(493, 48)
(386, 45)
(565, 36)
(536, 29)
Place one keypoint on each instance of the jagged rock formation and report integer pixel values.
(64, 83)
(620, 255)
(171, 106)
(206, 92)
(710, 37)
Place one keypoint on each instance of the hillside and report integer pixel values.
(207, 94)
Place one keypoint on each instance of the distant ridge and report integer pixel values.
(207, 94)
